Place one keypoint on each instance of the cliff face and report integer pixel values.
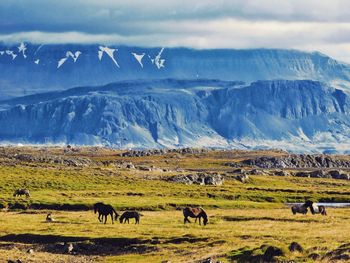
(173, 113)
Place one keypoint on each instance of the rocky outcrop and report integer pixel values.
(198, 178)
(151, 152)
(296, 161)
(67, 161)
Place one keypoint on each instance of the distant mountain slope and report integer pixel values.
(294, 115)
(28, 69)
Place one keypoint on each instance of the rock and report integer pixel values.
(344, 176)
(208, 260)
(243, 178)
(198, 178)
(130, 166)
(30, 251)
(318, 174)
(295, 161)
(295, 247)
(256, 172)
(281, 173)
(302, 174)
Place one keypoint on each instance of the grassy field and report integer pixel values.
(242, 216)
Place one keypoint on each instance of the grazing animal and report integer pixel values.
(105, 210)
(195, 212)
(130, 214)
(318, 209)
(301, 209)
(49, 218)
(20, 192)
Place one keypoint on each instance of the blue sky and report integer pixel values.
(322, 25)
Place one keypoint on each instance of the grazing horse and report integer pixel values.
(130, 214)
(301, 209)
(20, 192)
(318, 209)
(105, 210)
(197, 213)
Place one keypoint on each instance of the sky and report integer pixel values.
(311, 25)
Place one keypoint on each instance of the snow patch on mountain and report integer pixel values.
(109, 52)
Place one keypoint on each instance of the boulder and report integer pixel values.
(198, 178)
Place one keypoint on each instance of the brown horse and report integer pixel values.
(130, 214)
(301, 209)
(195, 212)
(105, 210)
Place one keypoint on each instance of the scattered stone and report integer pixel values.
(243, 178)
(281, 173)
(30, 251)
(198, 178)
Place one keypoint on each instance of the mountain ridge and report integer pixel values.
(167, 113)
(100, 65)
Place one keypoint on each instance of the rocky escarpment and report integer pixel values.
(295, 161)
(198, 178)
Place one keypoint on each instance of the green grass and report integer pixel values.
(243, 217)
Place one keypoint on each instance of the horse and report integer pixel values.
(197, 213)
(130, 214)
(49, 218)
(301, 209)
(105, 210)
(318, 209)
(20, 192)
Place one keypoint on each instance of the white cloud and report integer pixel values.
(302, 24)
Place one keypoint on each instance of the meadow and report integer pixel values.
(244, 218)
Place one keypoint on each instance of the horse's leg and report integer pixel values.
(199, 219)
(99, 217)
(105, 218)
(128, 220)
(112, 217)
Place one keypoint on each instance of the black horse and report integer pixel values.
(130, 214)
(195, 212)
(105, 210)
(318, 209)
(20, 192)
(301, 209)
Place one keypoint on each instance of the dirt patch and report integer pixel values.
(265, 218)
